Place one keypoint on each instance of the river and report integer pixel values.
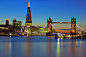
(41, 46)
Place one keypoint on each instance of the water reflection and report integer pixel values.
(7, 49)
(27, 46)
(58, 47)
(41, 46)
(51, 47)
(27, 49)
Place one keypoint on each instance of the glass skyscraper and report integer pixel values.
(28, 17)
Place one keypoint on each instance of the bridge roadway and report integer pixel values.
(61, 22)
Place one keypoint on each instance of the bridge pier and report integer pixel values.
(49, 34)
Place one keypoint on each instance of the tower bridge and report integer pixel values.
(50, 22)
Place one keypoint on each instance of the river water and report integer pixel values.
(41, 46)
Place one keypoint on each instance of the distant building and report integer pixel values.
(7, 21)
(16, 26)
(28, 17)
(6, 28)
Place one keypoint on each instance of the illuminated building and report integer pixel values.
(7, 21)
(16, 26)
(73, 25)
(6, 28)
(28, 17)
(49, 25)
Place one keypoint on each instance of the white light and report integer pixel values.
(58, 42)
(58, 34)
(10, 33)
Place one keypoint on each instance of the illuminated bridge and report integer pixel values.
(61, 22)
(49, 25)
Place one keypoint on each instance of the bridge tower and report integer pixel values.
(49, 27)
(73, 25)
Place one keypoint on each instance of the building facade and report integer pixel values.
(16, 26)
(6, 28)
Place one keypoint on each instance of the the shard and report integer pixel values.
(28, 17)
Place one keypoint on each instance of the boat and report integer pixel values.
(78, 37)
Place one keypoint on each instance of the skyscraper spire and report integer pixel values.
(28, 4)
(28, 17)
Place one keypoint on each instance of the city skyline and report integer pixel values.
(41, 10)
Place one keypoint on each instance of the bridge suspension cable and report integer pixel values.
(80, 27)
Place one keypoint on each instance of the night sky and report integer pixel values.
(58, 10)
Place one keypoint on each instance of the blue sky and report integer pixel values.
(58, 10)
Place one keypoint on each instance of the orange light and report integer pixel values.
(7, 19)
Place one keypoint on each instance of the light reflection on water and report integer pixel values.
(41, 46)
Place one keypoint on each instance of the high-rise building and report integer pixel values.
(16, 26)
(7, 21)
(6, 28)
(28, 17)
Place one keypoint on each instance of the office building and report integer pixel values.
(16, 26)
(7, 21)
